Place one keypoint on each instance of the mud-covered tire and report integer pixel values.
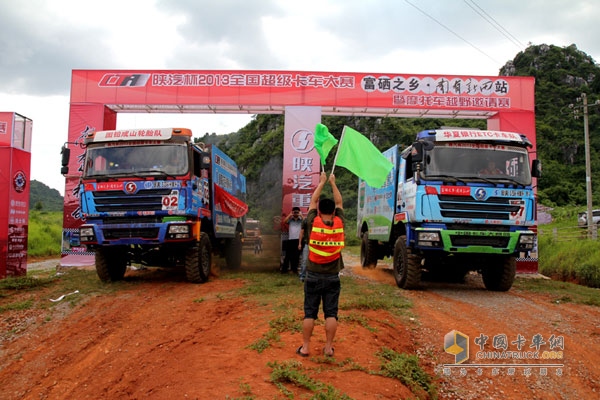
(368, 251)
(198, 260)
(111, 263)
(407, 266)
(498, 276)
(233, 251)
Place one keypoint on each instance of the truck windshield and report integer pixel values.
(170, 159)
(460, 161)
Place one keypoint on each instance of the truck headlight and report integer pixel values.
(526, 241)
(428, 238)
(177, 231)
(86, 234)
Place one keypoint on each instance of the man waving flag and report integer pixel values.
(357, 154)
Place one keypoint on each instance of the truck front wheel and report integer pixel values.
(111, 263)
(368, 251)
(407, 266)
(198, 260)
(499, 274)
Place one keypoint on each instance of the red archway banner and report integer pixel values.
(339, 92)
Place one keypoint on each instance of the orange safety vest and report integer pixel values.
(325, 242)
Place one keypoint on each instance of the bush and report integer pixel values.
(589, 275)
(567, 257)
(44, 235)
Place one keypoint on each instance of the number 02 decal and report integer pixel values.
(170, 201)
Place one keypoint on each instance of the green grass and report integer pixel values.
(365, 295)
(44, 233)
(293, 372)
(20, 305)
(565, 252)
(24, 282)
(406, 369)
(41, 285)
(560, 292)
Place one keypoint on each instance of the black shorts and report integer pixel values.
(321, 288)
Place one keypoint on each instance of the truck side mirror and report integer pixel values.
(204, 160)
(66, 154)
(417, 152)
(536, 168)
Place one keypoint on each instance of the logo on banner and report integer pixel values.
(302, 141)
(19, 181)
(117, 80)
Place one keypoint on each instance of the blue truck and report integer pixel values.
(457, 200)
(156, 198)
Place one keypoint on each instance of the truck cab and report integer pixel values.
(459, 200)
(154, 197)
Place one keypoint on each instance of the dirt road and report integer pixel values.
(571, 329)
(171, 340)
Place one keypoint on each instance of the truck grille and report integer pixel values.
(121, 233)
(498, 208)
(117, 200)
(492, 241)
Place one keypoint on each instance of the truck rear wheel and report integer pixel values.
(198, 260)
(111, 263)
(407, 266)
(368, 251)
(233, 251)
(499, 275)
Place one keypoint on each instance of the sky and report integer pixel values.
(42, 41)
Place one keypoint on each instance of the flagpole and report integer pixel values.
(338, 149)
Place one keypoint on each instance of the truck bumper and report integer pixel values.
(468, 241)
(135, 234)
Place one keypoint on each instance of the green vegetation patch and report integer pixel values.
(44, 234)
(364, 295)
(565, 251)
(292, 372)
(560, 292)
(406, 369)
(21, 305)
(24, 282)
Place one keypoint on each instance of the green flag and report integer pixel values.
(357, 154)
(324, 141)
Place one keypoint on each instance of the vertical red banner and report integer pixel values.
(84, 118)
(15, 165)
(301, 162)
